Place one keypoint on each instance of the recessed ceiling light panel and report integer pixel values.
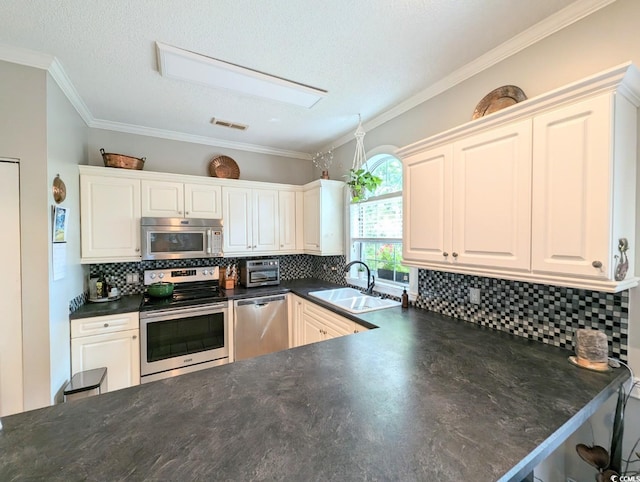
(182, 64)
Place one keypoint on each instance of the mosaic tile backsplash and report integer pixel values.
(549, 314)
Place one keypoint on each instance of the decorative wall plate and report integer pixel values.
(224, 167)
(497, 99)
(59, 190)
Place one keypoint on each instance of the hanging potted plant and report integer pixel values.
(360, 182)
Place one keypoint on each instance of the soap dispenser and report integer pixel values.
(405, 299)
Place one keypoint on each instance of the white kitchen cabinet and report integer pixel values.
(250, 220)
(323, 218)
(176, 199)
(110, 218)
(584, 154)
(492, 198)
(469, 202)
(427, 201)
(541, 192)
(110, 341)
(287, 217)
(313, 323)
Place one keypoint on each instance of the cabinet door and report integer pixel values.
(265, 220)
(202, 201)
(110, 218)
(311, 232)
(427, 205)
(162, 199)
(492, 198)
(237, 219)
(312, 329)
(119, 352)
(287, 220)
(571, 193)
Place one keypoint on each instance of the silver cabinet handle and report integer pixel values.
(445, 254)
(597, 264)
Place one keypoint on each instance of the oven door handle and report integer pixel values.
(175, 313)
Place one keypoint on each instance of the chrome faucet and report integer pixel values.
(371, 280)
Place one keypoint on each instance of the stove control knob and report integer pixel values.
(152, 275)
(205, 272)
(161, 275)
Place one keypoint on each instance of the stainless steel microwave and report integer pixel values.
(180, 238)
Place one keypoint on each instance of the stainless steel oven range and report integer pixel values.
(185, 332)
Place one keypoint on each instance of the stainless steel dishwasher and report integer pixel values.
(260, 326)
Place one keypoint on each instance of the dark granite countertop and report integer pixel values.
(423, 397)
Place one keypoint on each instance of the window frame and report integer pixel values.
(375, 158)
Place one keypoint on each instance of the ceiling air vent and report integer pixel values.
(230, 125)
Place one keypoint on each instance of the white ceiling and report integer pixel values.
(370, 55)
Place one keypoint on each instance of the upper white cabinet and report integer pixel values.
(323, 218)
(492, 198)
(542, 191)
(110, 218)
(288, 210)
(474, 201)
(258, 217)
(250, 219)
(583, 186)
(177, 199)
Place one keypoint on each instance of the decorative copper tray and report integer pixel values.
(224, 167)
(497, 99)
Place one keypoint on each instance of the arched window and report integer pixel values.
(376, 224)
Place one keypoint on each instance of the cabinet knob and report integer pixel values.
(137, 250)
(282, 245)
(106, 325)
(249, 247)
(454, 254)
(134, 337)
(317, 245)
(179, 212)
(597, 264)
(445, 254)
(254, 246)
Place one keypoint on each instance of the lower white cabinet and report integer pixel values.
(110, 341)
(313, 323)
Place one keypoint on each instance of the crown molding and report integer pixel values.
(565, 17)
(64, 82)
(27, 57)
(195, 139)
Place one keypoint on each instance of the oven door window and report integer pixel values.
(171, 338)
(264, 275)
(182, 242)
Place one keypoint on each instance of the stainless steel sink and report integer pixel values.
(353, 301)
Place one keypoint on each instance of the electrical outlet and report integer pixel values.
(129, 278)
(474, 295)
(134, 278)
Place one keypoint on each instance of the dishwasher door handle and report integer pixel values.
(260, 301)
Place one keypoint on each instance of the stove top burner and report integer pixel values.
(185, 294)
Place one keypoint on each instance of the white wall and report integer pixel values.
(23, 136)
(178, 157)
(67, 136)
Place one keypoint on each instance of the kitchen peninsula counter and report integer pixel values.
(422, 397)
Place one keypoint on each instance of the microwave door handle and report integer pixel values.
(208, 241)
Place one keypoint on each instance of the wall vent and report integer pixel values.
(230, 125)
